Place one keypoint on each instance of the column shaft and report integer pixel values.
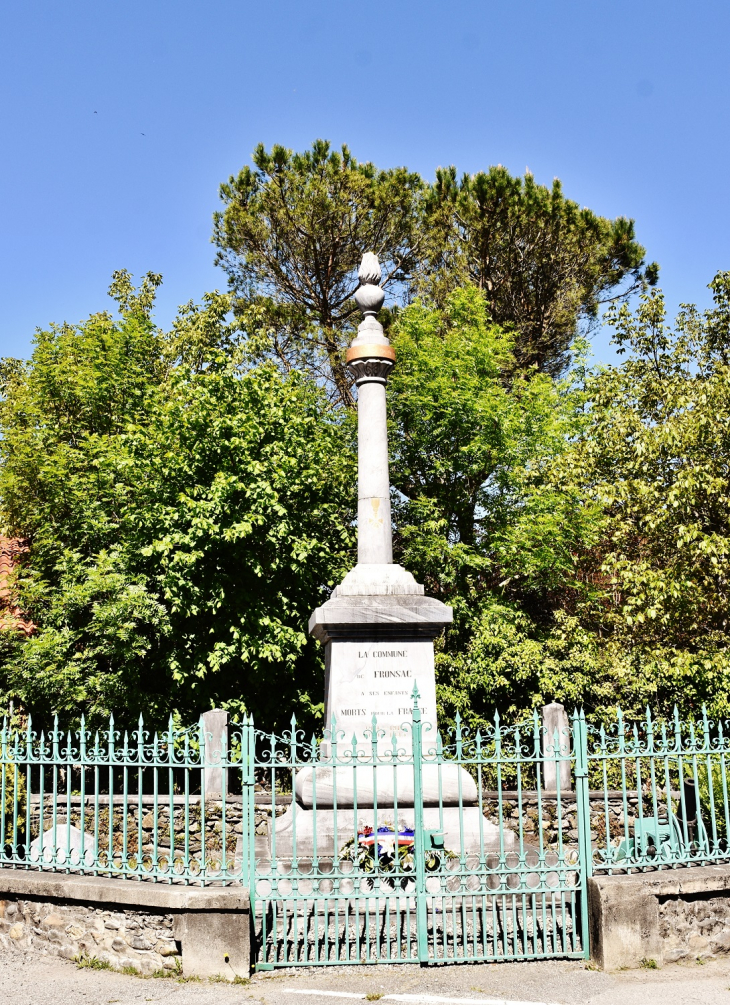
(374, 538)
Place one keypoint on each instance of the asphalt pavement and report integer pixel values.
(32, 980)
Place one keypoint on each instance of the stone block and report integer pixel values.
(376, 678)
(656, 915)
(69, 845)
(720, 943)
(214, 944)
(624, 923)
(698, 942)
(166, 949)
(447, 783)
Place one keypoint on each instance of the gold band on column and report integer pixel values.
(370, 352)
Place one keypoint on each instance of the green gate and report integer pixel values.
(472, 848)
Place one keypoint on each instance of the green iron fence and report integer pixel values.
(388, 852)
(673, 786)
(424, 848)
(127, 804)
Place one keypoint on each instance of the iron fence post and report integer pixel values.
(583, 812)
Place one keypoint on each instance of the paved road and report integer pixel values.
(27, 980)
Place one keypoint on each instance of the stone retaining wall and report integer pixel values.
(161, 838)
(511, 817)
(695, 926)
(529, 818)
(204, 931)
(121, 938)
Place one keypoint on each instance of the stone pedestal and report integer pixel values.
(465, 832)
(378, 631)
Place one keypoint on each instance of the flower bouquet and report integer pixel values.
(387, 850)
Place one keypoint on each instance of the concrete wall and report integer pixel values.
(205, 932)
(665, 916)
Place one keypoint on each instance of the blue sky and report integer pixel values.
(120, 120)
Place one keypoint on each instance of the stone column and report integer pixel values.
(555, 720)
(377, 630)
(370, 359)
(215, 726)
(378, 627)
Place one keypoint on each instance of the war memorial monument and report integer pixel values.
(377, 630)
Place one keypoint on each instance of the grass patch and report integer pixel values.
(374, 996)
(649, 964)
(84, 962)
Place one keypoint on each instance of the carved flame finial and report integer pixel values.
(369, 271)
(369, 296)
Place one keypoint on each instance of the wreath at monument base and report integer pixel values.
(389, 850)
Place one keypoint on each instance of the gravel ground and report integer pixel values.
(29, 979)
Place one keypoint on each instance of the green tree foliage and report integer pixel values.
(182, 518)
(291, 237)
(294, 228)
(638, 612)
(656, 457)
(242, 520)
(543, 262)
(469, 453)
(82, 387)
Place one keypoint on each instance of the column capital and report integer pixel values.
(371, 357)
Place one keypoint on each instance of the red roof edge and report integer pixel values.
(11, 617)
